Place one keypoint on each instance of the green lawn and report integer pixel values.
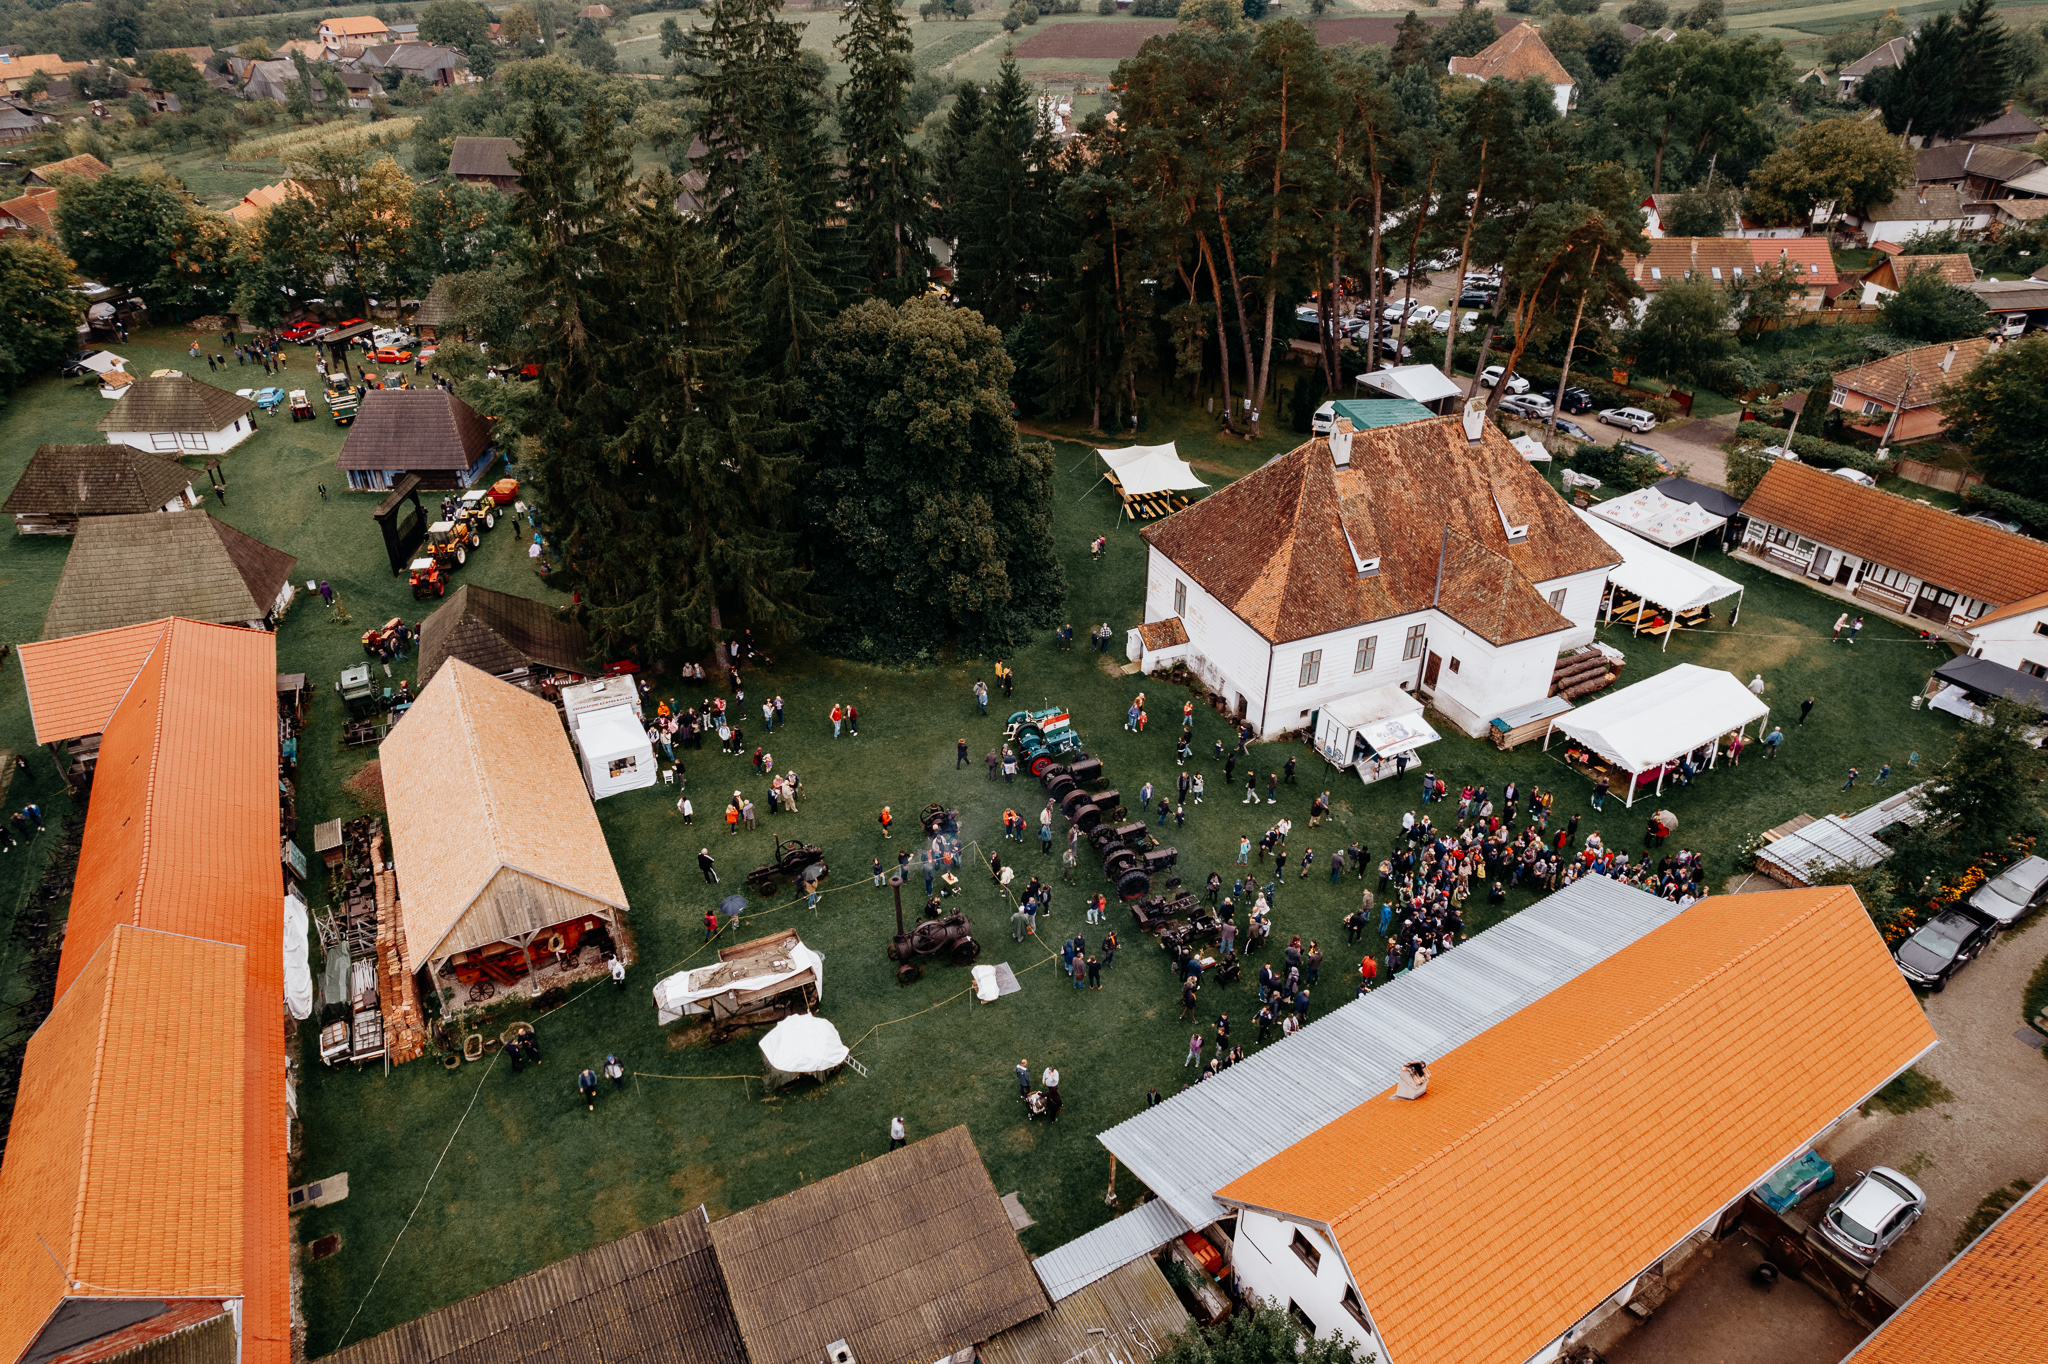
(461, 1180)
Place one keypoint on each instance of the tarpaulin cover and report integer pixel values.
(691, 992)
(802, 1044)
(298, 969)
(1147, 469)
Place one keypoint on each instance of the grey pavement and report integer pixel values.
(1717, 1316)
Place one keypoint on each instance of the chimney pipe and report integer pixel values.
(1340, 442)
(1413, 1081)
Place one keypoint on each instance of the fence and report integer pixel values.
(1826, 317)
(1946, 480)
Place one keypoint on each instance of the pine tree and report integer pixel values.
(784, 296)
(885, 187)
(949, 154)
(738, 65)
(665, 505)
(1411, 43)
(1007, 200)
(1958, 74)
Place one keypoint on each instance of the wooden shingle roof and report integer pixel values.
(1515, 55)
(653, 1296)
(124, 569)
(96, 480)
(908, 1256)
(422, 428)
(175, 402)
(437, 309)
(1277, 547)
(483, 156)
(1935, 546)
(499, 633)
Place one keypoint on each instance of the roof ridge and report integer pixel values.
(92, 1105)
(147, 818)
(471, 748)
(1552, 1081)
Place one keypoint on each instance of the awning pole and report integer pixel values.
(1715, 756)
(1670, 629)
(1736, 614)
(1547, 731)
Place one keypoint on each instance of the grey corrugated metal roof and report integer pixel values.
(1206, 1136)
(1108, 1248)
(1841, 840)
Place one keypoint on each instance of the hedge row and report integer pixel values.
(1821, 454)
(2025, 510)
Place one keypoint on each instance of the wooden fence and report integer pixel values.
(1826, 317)
(1947, 480)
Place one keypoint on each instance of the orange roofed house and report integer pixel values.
(1901, 556)
(1419, 556)
(1505, 1213)
(1909, 384)
(355, 32)
(1732, 262)
(145, 1177)
(1516, 55)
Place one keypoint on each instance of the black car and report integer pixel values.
(1573, 400)
(1475, 298)
(1941, 946)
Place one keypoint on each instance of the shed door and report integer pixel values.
(1429, 673)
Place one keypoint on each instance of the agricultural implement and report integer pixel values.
(951, 938)
(794, 858)
(1041, 736)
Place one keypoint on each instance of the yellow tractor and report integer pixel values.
(449, 542)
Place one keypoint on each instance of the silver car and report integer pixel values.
(2013, 891)
(1629, 418)
(1875, 1212)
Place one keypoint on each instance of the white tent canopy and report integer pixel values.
(1371, 728)
(1530, 449)
(802, 1044)
(1426, 384)
(99, 362)
(617, 754)
(1657, 575)
(1662, 718)
(1654, 516)
(1147, 469)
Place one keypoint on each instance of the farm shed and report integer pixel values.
(514, 639)
(528, 878)
(1855, 841)
(909, 1256)
(174, 412)
(435, 436)
(65, 482)
(125, 569)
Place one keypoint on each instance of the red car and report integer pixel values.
(300, 331)
(351, 322)
(391, 355)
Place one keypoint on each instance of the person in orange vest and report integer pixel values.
(885, 819)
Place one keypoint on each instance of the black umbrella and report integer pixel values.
(733, 905)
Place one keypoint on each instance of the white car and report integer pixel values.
(1400, 308)
(1629, 418)
(1856, 476)
(1491, 376)
(1526, 405)
(1866, 1221)
(2013, 891)
(1421, 315)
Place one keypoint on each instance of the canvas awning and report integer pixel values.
(1383, 723)
(1985, 680)
(100, 362)
(1424, 384)
(1660, 577)
(1143, 470)
(1712, 500)
(1652, 515)
(1662, 718)
(1531, 449)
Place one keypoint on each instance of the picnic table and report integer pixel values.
(1151, 505)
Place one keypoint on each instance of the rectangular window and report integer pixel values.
(1369, 649)
(161, 441)
(1839, 398)
(1180, 597)
(192, 441)
(2041, 627)
(1411, 647)
(1311, 667)
(1294, 1310)
(1454, 665)
(1355, 1307)
(1557, 599)
(1305, 1251)
(1888, 577)
(2033, 669)
(1871, 408)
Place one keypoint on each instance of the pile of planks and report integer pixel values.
(405, 1027)
(1581, 673)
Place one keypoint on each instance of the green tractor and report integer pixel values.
(1041, 736)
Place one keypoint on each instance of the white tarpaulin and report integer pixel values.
(804, 1044)
(99, 362)
(1147, 469)
(1531, 449)
(298, 969)
(1656, 517)
(1657, 575)
(1662, 718)
(1425, 384)
(691, 992)
(1384, 722)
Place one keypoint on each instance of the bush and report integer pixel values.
(1616, 468)
(1105, 6)
(2025, 510)
(1812, 450)
(1156, 9)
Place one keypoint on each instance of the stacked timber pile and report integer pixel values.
(405, 1027)
(1582, 672)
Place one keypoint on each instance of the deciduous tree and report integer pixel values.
(2001, 408)
(1928, 309)
(1845, 164)
(1684, 328)
(39, 314)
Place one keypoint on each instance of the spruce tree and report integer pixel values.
(885, 187)
(784, 295)
(1004, 203)
(739, 64)
(948, 156)
(661, 499)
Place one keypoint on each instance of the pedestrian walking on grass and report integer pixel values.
(707, 864)
(1852, 779)
(1882, 773)
(586, 1085)
(1856, 629)
(1194, 1057)
(838, 719)
(1772, 740)
(616, 1073)
(1805, 709)
(1841, 624)
(960, 757)
(897, 1135)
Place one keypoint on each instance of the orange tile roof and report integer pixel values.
(1718, 260)
(125, 1158)
(1276, 547)
(74, 684)
(485, 757)
(1990, 1306)
(1815, 259)
(263, 198)
(355, 26)
(1516, 54)
(34, 208)
(182, 837)
(2022, 607)
(1935, 546)
(88, 167)
(1929, 368)
(1710, 1050)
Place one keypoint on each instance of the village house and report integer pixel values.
(1976, 171)
(176, 412)
(423, 431)
(427, 62)
(1658, 207)
(1731, 262)
(1516, 55)
(1900, 556)
(64, 483)
(1541, 1085)
(84, 167)
(485, 161)
(124, 569)
(1429, 556)
(2010, 129)
(2014, 636)
(33, 214)
(1990, 1303)
(1896, 397)
(2017, 306)
(146, 1181)
(263, 198)
(1884, 55)
(353, 33)
(514, 639)
(17, 70)
(1914, 211)
(1883, 279)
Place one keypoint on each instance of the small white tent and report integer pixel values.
(1659, 720)
(1658, 518)
(617, 755)
(802, 1045)
(1147, 471)
(1660, 577)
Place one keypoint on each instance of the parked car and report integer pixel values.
(1421, 315)
(2013, 891)
(1876, 1211)
(1309, 313)
(1404, 308)
(1466, 324)
(1567, 427)
(1573, 400)
(1475, 298)
(300, 331)
(1943, 946)
(1526, 405)
(1999, 522)
(1392, 346)
(1491, 376)
(391, 355)
(391, 336)
(1856, 476)
(1629, 418)
(1636, 447)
